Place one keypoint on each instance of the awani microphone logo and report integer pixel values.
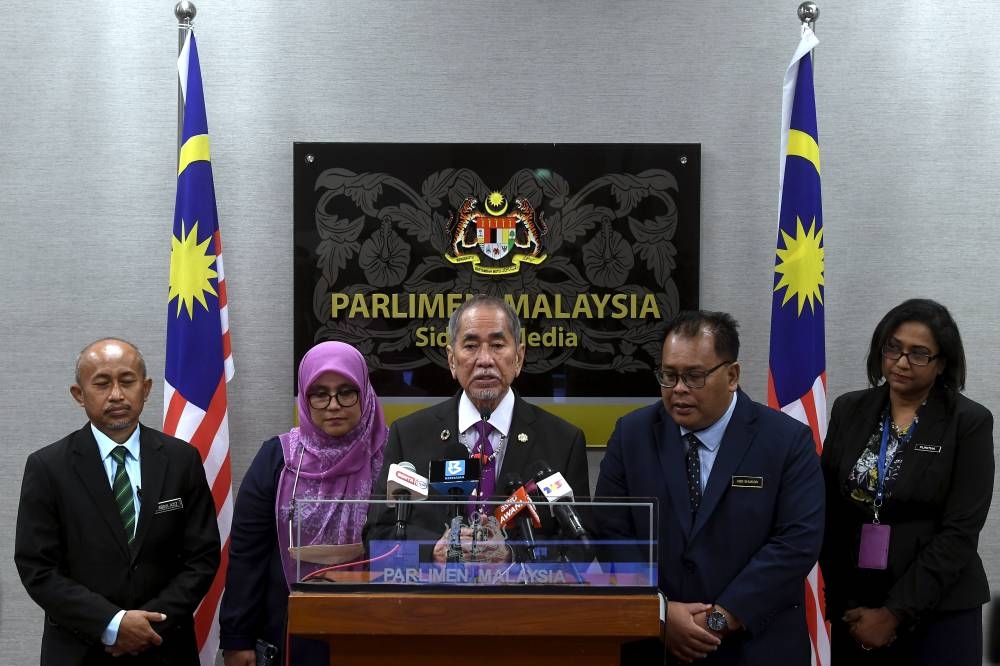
(454, 469)
(507, 511)
(512, 506)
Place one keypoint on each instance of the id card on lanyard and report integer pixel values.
(874, 550)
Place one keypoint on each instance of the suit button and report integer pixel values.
(689, 566)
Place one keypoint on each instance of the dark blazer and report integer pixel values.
(749, 548)
(255, 603)
(420, 438)
(936, 511)
(75, 562)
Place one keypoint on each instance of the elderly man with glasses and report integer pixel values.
(740, 504)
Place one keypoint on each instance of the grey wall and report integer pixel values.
(909, 130)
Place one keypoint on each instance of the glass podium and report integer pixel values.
(440, 580)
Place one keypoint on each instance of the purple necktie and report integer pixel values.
(488, 484)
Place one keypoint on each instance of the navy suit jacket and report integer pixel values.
(75, 562)
(754, 538)
(427, 434)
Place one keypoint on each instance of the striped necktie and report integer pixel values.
(122, 488)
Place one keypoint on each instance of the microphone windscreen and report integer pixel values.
(540, 470)
(511, 482)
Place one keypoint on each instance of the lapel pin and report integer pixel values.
(522, 437)
(445, 434)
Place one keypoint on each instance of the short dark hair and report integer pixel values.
(513, 323)
(722, 326)
(934, 316)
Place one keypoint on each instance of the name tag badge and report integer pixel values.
(927, 448)
(175, 504)
(748, 482)
(874, 550)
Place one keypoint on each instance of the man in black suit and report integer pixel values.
(118, 575)
(485, 355)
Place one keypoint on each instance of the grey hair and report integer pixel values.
(513, 323)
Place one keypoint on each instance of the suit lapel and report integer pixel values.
(736, 441)
(153, 465)
(930, 432)
(519, 453)
(447, 415)
(859, 427)
(670, 451)
(90, 469)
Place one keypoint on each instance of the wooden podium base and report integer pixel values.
(366, 629)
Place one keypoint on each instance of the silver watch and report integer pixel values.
(716, 620)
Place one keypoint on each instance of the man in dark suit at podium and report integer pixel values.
(740, 503)
(485, 355)
(117, 538)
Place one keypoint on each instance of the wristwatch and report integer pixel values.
(716, 620)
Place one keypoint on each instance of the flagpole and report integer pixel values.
(185, 11)
(808, 13)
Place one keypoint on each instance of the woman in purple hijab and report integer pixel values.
(335, 453)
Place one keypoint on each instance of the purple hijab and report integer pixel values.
(342, 467)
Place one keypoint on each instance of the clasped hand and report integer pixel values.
(492, 549)
(687, 637)
(135, 633)
(872, 627)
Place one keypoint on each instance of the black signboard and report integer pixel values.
(595, 245)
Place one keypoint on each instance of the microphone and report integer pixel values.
(558, 492)
(520, 510)
(455, 477)
(404, 483)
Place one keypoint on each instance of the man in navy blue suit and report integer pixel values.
(740, 497)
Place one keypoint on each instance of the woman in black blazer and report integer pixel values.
(908, 466)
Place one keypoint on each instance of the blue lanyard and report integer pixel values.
(882, 454)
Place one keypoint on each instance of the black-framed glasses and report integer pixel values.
(693, 379)
(920, 357)
(346, 397)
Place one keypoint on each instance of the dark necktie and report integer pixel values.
(693, 471)
(485, 449)
(122, 489)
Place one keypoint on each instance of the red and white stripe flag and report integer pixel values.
(199, 359)
(797, 369)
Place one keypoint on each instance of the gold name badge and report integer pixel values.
(748, 482)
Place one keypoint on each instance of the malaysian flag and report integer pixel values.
(199, 351)
(796, 381)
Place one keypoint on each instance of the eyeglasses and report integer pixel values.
(921, 357)
(346, 397)
(693, 379)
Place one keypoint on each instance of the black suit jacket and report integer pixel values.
(937, 508)
(76, 563)
(420, 438)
